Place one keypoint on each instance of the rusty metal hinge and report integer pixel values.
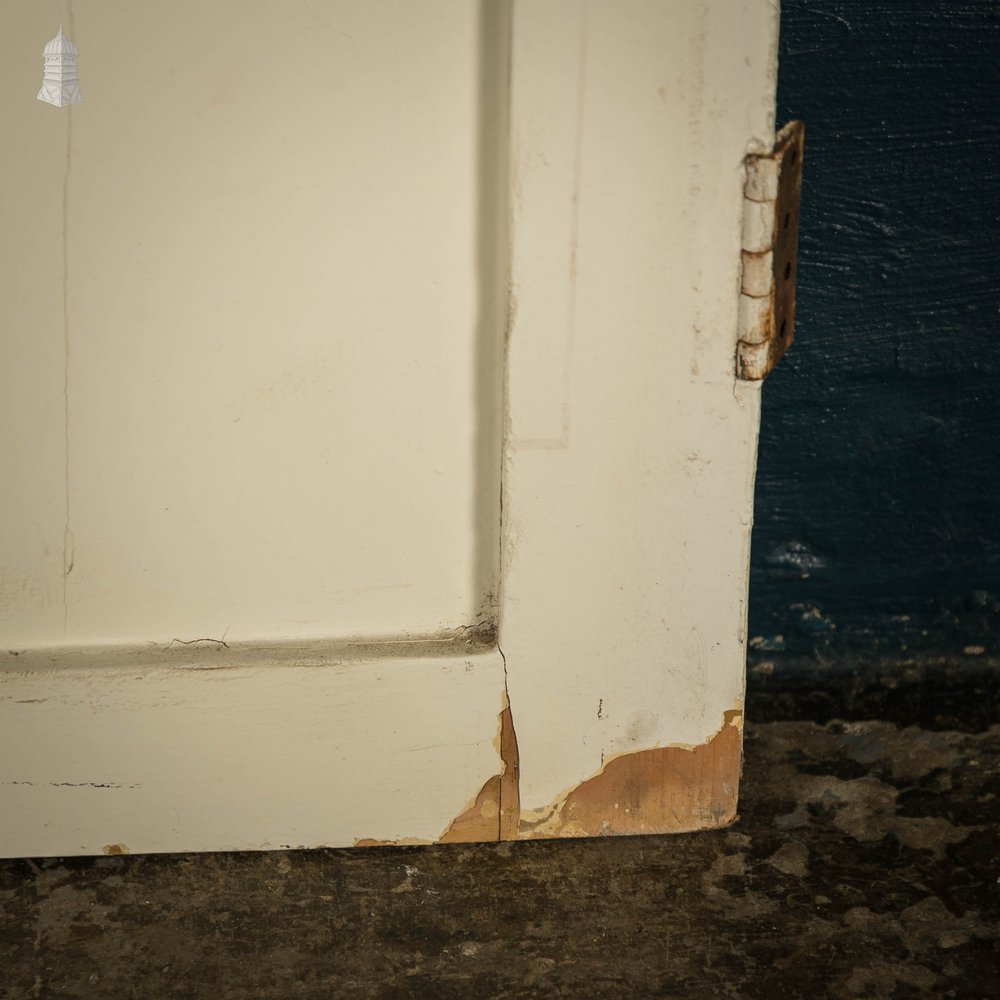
(770, 249)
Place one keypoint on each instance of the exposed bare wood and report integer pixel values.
(494, 813)
(630, 447)
(481, 821)
(510, 789)
(661, 790)
(291, 573)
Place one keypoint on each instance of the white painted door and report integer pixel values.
(375, 465)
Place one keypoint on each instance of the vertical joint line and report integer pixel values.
(67, 566)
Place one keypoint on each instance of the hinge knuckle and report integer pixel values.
(770, 249)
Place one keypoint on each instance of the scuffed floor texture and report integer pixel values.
(864, 864)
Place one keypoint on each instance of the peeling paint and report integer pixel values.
(494, 813)
(481, 821)
(659, 790)
(510, 785)
(656, 790)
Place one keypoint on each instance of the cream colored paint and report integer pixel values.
(216, 749)
(311, 389)
(266, 409)
(628, 476)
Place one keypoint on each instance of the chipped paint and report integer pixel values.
(730, 908)
(403, 768)
(481, 821)
(625, 564)
(660, 790)
(494, 813)
(510, 786)
(115, 849)
(669, 543)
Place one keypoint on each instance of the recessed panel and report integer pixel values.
(248, 320)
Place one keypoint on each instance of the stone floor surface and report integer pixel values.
(865, 864)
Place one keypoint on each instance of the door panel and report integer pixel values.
(376, 468)
(251, 335)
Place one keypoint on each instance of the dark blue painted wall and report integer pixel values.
(878, 499)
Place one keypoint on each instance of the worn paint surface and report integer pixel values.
(629, 462)
(863, 867)
(660, 790)
(617, 641)
(495, 812)
(481, 821)
(210, 753)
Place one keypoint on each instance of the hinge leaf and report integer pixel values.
(770, 250)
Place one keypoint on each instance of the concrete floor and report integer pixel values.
(866, 863)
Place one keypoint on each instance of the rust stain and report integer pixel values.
(760, 350)
(661, 790)
(115, 849)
